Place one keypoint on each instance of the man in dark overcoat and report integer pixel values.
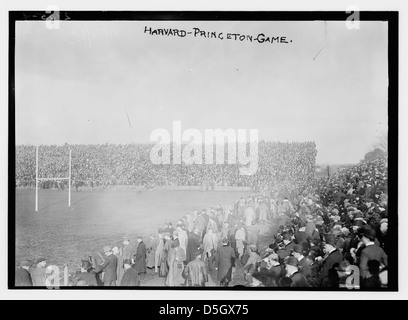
(225, 261)
(140, 258)
(109, 266)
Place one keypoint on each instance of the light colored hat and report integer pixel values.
(107, 249)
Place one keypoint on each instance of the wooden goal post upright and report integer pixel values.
(63, 178)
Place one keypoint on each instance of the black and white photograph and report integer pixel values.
(203, 151)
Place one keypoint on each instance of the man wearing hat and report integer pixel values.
(371, 251)
(210, 243)
(23, 277)
(183, 237)
(128, 249)
(109, 266)
(292, 272)
(303, 263)
(159, 250)
(225, 261)
(196, 271)
(301, 235)
(38, 274)
(273, 266)
(287, 241)
(130, 277)
(263, 212)
(140, 258)
(332, 258)
(193, 244)
(86, 278)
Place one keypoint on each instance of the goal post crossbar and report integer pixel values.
(37, 179)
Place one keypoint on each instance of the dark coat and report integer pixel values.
(89, 278)
(305, 267)
(140, 258)
(289, 247)
(225, 260)
(109, 267)
(301, 237)
(130, 278)
(23, 278)
(334, 258)
(299, 280)
(372, 252)
(193, 243)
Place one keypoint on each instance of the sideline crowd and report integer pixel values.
(322, 233)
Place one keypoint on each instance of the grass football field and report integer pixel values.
(64, 235)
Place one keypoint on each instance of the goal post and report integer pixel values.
(37, 179)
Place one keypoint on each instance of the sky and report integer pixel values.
(109, 81)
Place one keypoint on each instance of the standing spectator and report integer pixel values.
(225, 261)
(249, 215)
(240, 239)
(151, 245)
(183, 237)
(140, 258)
(109, 267)
(38, 274)
(263, 212)
(131, 276)
(84, 277)
(292, 268)
(119, 270)
(193, 244)
(331, 260)
(158, 251)
(303, 262)
(371, 252)
(210, 243)
(23, 277)
(196, 271)
(128, 249)
(176, 266)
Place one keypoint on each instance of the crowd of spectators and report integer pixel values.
(333, 234)
(130, 164)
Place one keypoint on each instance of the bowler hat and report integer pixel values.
(369, 233)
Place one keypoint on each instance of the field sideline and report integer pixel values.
(64, 235)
